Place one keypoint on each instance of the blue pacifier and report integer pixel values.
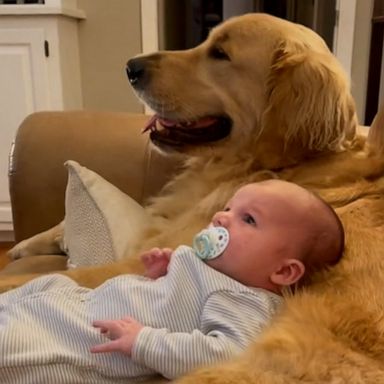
(211, 242)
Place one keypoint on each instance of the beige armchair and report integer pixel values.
(110, 144)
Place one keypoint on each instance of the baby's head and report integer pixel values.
(278, 232)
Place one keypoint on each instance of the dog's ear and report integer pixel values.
(308, 99)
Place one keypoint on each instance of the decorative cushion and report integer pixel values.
(100, 220)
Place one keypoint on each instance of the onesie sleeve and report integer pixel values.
(229, 322)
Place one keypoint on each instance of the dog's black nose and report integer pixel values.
(135, 70)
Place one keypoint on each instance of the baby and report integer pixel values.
(196, 305)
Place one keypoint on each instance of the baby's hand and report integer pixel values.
(123, 334)
(156, 262)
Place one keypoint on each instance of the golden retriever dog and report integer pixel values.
(261, 98)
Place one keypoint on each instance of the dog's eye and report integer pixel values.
(218, 53)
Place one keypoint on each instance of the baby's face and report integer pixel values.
(266, 224)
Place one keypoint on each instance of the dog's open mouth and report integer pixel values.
(178, 133)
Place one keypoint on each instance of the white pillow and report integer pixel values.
(100, 220)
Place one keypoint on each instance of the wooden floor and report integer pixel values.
(3, 257)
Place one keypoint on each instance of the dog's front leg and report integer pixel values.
(86, 276)
(49, 242)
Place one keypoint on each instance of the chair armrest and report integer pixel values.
(110, 144)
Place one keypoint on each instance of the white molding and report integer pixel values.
(51, 7)
(5, 216)
(6, 226)
(344, 33)
(61, 3)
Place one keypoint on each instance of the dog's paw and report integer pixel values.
(22, 249)
(48, 242)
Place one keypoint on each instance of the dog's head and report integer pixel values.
(258, 84)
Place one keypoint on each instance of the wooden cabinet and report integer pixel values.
(39, 70)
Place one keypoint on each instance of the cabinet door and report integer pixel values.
(23, 90)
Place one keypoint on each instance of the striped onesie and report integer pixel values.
(193, 316)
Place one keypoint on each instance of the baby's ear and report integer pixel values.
(289, 272)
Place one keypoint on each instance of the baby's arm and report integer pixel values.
(156, 262)
(122, 334)
(229, 322)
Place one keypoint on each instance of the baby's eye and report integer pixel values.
(226, 209)
(249, 219)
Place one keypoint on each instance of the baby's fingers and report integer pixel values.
(167, 252)
(104, 325)
(151, 255)
(111, 346)
(111, 328)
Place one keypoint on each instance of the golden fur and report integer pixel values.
(293, 118)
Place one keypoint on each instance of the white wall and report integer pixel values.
(108, 37)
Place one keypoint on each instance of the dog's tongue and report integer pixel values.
(201, 123)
